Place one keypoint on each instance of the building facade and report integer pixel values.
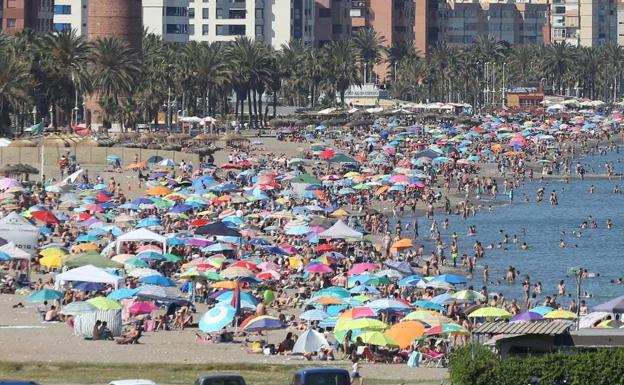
(515, 23)
(587, 23)
(167, 18)
(270, 21)
(332, 20)
(18, 15)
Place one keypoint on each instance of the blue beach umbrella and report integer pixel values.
(217, 318)
(44, 295)
(313, 315)
(157, 280)
(122, 294)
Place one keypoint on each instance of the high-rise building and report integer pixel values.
(429, 21)
(392, 19)
(332, 20)
(515, 23)
(167, 18)
(269, 21)
(587, 23)
(18, 15)
(620, 22)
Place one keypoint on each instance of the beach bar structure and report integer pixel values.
(545, 336)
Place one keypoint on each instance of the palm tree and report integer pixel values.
(115, 70)
(397, 52)
(369, 45)
(15, 83)
(614, 67)
(342, 56)
(290, 59)
(313, 71)
(556, 62)
(65, 56)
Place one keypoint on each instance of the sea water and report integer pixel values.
(542, 226)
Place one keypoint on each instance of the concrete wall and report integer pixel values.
(86, 155)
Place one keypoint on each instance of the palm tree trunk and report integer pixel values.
(274, 104)
(249, 105)
(260, 117)
(255, 106)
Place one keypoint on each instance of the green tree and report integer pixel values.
(342, 71)
(370, 45)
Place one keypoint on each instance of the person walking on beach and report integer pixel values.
(355, 371)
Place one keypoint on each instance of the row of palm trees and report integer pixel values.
(51, 72)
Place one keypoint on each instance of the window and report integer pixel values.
(11, 4)
(230, 30)
(62, 9)
(205, 30)
(324, 12)
(59, 27)
(336, 28)
(11, 23)
(259, 30)
(237, 14)
(206, 14)
(191, 13)
(177, 29)
(191, 29)
(220, 13)
(260, 13)
(175, 11)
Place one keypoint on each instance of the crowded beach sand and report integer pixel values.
(313, 243)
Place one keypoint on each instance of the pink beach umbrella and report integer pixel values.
(142, 308)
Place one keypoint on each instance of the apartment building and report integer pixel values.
(515, 23)
(18, 15)
(167, 18)
(429, 23)
(274, 22)
(332, 20)
(586, 23)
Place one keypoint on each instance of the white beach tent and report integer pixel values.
(340, 230)
(141, 235)
(14, 252)
(88, 273)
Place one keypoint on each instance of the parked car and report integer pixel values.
(15, 382)
(321, 376)
(220, 379)
(132, 382)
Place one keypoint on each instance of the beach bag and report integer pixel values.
(414, 360)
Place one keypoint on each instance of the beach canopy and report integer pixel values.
(340, 230)
(310, 341)
(88, 273)
(141, 235)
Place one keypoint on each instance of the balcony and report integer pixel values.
(359, 4)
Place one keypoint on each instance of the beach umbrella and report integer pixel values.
(589, 320)
(426, 316)
(382, 280)
(44, 295)
(527, 316)
(543, 310)
(217, 228)
(158, 191)
(468, 295)
(490, 311)
(52, 252)
(157, 280)
(358, 312)
(313, 315)
(44, 216)
(236, 272)
(404, 333)
(428, 305)
(360, 268)
(119, 294)
(156, 293)
(449, 278)
(135, 262)
(335, 291)
(103, 303)
(142, 272)
(263, 322)
(88, 286)
(226, 296)
(377, 338)
(310, 341)
(410, 280)
(360, 323)
(364, 289)
(52, 261)
(149, 254)
(142, 308)
(446, 328)
(217, 318)
(75, 308)
(319, 268)
(560, 314)
(91, 258)
(615, 305)
(388, 304)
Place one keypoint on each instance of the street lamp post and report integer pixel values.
(503, 89)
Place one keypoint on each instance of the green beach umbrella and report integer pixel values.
(92, 258)
(172, 257)
(103, 303)
(490, 311)
(360, 323)
(269, 296)
(44, 295)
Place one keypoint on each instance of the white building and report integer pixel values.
(168, 18)
(273, 21)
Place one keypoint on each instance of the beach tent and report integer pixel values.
(18, 230)
(84, 322)
(341, 231)
(88, 273)
(141, 235)
(615, 305)
(14, 251)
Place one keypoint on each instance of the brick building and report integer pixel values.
(18, 15)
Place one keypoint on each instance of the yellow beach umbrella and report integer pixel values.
(52, 252)
(52, 261)
(560, 314)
